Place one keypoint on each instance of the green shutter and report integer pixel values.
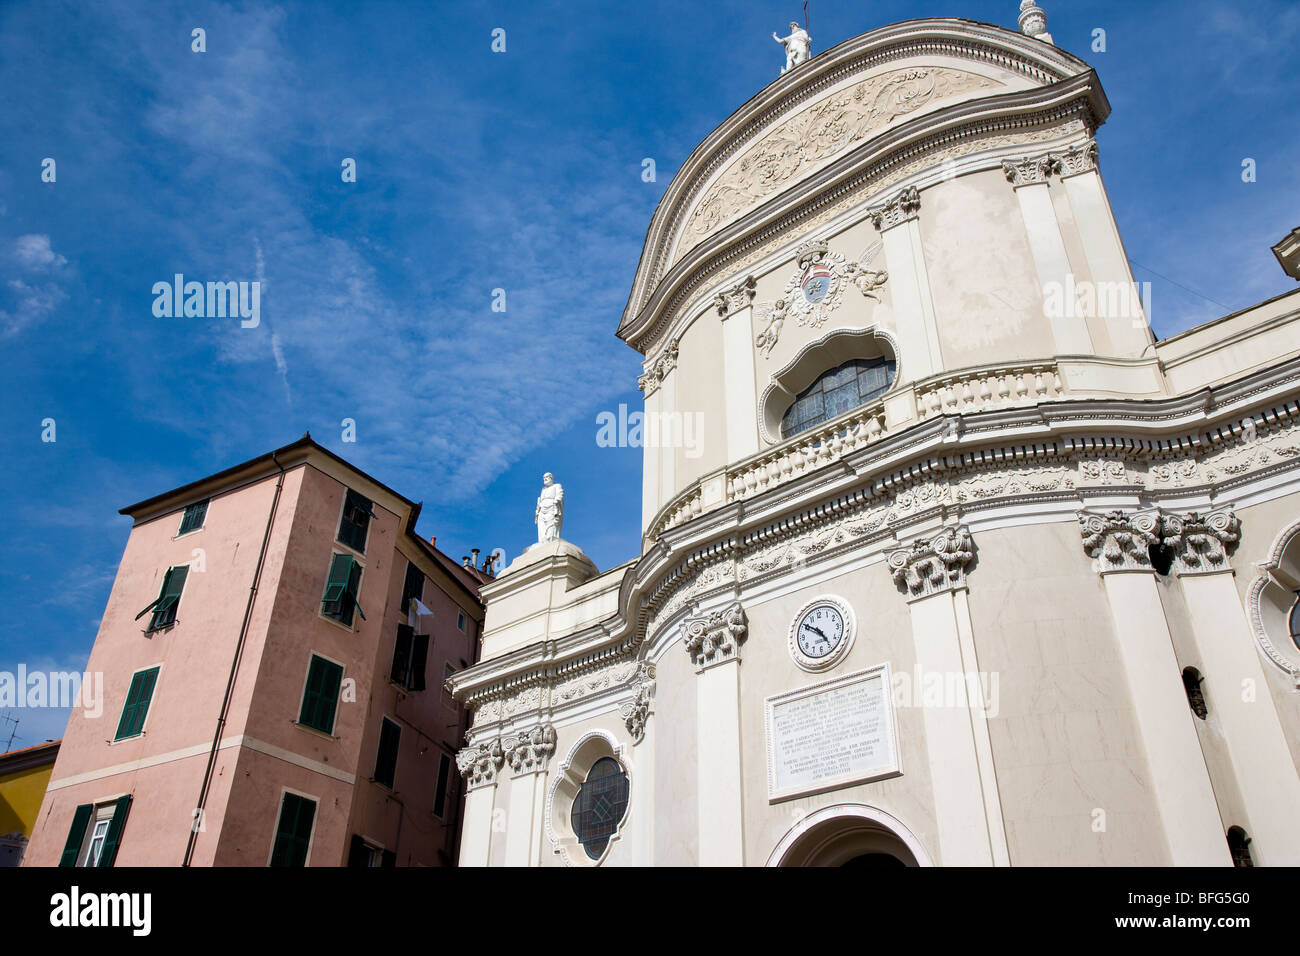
(354, 589)
(401, 668)
(293, 834)
(390, 736)
(340, 573)
(419, 659)
(173, 584)
(162, 591)
(320, 699)
(358, 852)
(77, 835)
(136, 708)
(114, 837)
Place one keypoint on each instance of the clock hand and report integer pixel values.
(817, 630)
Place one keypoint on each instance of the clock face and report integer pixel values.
(820, 631)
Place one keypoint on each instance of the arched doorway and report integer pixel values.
(849, 834)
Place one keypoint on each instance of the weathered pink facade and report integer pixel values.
(261, 750)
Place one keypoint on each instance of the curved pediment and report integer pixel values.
(841, 101)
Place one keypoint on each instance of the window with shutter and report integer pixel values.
(341, 590)
(76, 835)
(138, 696)
(108, 853)
(419, 660)
(193, 518)
(402, 655)
(168, 600)
(390, 736)
(293, 833)
(412, 587)
(320, 698)
(440, 794)
(355, 522)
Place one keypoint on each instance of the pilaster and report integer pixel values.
(480, 766)
(1120, 542)
(1236, 686)
(931, 572)
(714, 641)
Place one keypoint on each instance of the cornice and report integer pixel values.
(962, 39)
(913, 477)
(870, 167)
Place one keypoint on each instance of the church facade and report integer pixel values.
(965, 567)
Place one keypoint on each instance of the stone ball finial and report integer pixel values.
(1033, 21)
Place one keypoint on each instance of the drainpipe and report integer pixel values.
(234, 668)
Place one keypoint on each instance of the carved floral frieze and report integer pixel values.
(813, 137)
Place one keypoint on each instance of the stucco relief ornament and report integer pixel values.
(636, 712)
(531, 750)
(716, 637)
(932, 565)
(774, 314)
(1121, 541)
(1201, 540)
(798, 46)
(549, 514)
(479, 765)
(817, 289)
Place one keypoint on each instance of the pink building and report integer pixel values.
(273, 656)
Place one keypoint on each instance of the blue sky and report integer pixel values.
(476, 170)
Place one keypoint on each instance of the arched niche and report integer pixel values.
(830, 351)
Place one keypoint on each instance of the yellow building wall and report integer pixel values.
(21, 793)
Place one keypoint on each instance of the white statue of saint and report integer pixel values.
(550, 509)
(798, 46)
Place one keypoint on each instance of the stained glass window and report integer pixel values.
(600, 806)
(840, 390)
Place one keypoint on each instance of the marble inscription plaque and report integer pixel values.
(831, 734)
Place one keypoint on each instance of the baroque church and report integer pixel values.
(967, 568)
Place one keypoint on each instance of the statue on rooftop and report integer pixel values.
(798, 46)
(550, 509)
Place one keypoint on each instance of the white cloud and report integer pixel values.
(33, 252)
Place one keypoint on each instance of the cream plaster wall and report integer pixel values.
(1065, 741)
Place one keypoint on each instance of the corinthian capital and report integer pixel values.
(1081, 158)
(530, 751)
(715, 638)
(1028, 170)
(737, 297)
(1201, 540)
(933, 565)
(479, 765)
(901, 208)
(659, 368)
(1121, 541)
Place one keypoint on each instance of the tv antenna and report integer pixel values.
(13, 731)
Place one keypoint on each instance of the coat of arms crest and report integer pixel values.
(816, 289)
